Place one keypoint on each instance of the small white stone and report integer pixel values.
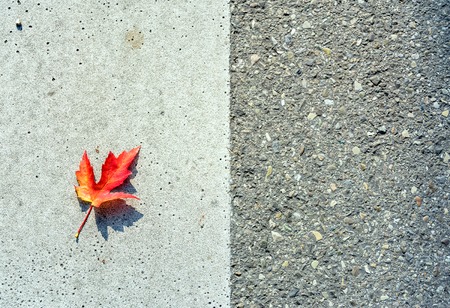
(272, 224)
(405, 134)
(254, 58)
(446, 158)
(306, 25)
(297, 215)
(357, 86)
(277, 237)
(312, 116)
(356, 151)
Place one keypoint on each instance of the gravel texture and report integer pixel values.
(340, 153)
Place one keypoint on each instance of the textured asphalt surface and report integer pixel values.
(340, 153)
(109, 76)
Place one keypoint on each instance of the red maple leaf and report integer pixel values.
(114, 173)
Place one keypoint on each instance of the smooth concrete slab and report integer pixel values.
(100, 76)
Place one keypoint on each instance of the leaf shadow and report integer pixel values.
(115, 214)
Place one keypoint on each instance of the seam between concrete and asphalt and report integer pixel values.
(108, 77)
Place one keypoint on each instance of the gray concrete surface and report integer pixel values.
(107, 76)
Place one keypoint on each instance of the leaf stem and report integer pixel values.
(84, 221)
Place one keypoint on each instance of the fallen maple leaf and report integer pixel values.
(114, 173)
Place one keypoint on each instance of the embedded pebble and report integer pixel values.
(268, 173)
(272, 224)
(355, 270)
(293, 292)
(277, 237)
(309, 62)
(254, 58)
(382, 129)
(312, 116)
(375, 80)
(297, 215)
(327, 51)
(317, 235)
(446, 158)
(301, 150)
(357, 86)
(306, 25)
(356, 151)
(349, 221)
(418, 200)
